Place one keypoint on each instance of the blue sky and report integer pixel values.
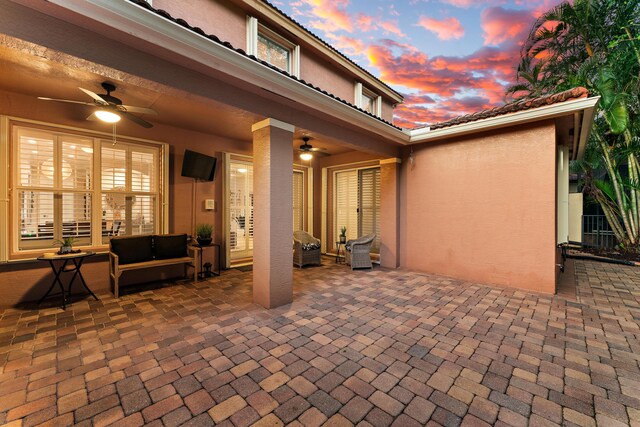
(448, 57)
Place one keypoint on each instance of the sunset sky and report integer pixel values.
(447, 57)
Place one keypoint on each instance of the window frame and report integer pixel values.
(256, 28)
(360, 92)
(9, 160)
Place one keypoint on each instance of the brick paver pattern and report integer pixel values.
(377, 347)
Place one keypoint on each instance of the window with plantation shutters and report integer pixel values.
(298, 200)
(67, 185)
(346, 194)
(369, 205)
(357, 204)
(129, 189)
(54, 188)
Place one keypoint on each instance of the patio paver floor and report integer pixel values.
(377, 347)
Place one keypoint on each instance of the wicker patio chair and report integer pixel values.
(357, 252)
(306, 249)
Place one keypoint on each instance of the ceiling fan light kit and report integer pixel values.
(307, 150)
(107, 116)
(109, 108)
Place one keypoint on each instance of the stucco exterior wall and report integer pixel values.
(483, 208)
(220, 18)
(34, 277)
(324, 74)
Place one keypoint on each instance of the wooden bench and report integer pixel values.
(139, 252)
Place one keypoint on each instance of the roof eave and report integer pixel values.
(138, 22)
(575, 106)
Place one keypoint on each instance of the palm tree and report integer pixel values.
(595, 44)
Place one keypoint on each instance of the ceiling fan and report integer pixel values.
(307, 150)
(110, 109)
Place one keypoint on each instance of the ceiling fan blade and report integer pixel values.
(317, 149)
(66, 100)
(95, 96)
(136, 119)
(139, 110)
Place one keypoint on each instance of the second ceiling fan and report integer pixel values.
(307, 151)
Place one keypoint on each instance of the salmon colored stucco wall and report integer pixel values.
(324, 74)
(29, 279)
(220, 18)
(482, 208)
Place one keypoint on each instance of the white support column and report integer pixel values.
(272, 207)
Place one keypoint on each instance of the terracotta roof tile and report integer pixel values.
(215, 39)
(525, 104)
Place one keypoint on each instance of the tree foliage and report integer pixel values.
(595, 44)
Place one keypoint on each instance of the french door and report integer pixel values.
(357, 204)
(241, 210)
(241, 207)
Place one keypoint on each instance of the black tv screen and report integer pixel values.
(198, 166)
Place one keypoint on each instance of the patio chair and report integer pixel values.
(306, 249)
(357, 252)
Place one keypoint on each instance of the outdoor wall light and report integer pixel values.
(306, 156)
(107, 116)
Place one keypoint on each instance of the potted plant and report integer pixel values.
(203, 234)
(66, 245)
(343, 234)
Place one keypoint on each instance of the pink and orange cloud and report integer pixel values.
(502, 25)
(445, 29)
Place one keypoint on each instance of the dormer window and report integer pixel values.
(270, 47)
(368, 100)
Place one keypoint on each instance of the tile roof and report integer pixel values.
(228, 45)
(522, 105)
(329, 46)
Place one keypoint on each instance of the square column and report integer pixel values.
(272, 218)
(390, 213)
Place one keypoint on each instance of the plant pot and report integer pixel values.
(343, 239)
(204, 241)
(65, 250)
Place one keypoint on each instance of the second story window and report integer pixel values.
(270, 47)
(368, 100)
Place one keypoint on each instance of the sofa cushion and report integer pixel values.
(132, 249)
(170, 246)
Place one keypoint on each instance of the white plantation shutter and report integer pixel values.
(346, 197)
(298, 200)
(369, 205)
(129, 179)
(54, 185)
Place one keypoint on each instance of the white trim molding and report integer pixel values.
(575, 106)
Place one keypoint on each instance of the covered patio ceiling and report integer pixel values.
(24, 71)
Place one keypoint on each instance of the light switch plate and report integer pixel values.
(210, 204)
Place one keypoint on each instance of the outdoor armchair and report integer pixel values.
(357, 252)
(306, 249)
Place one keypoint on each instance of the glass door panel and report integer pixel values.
(241, 210)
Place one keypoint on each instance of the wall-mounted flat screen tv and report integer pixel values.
(198, 166)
